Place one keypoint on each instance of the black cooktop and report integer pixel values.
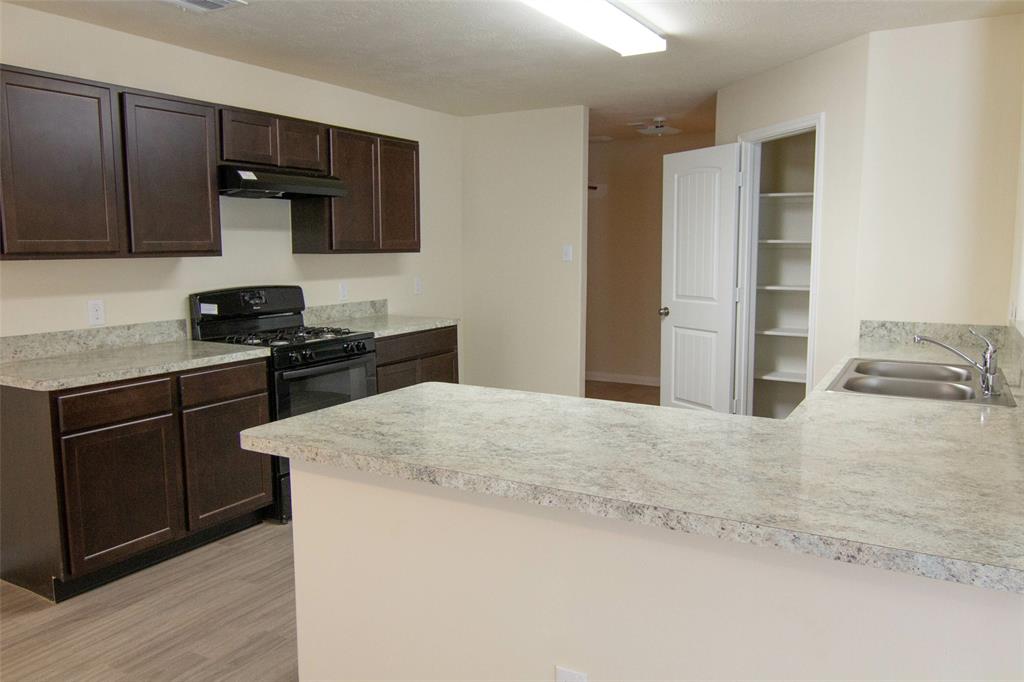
(290, 336)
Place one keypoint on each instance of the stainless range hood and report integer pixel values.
(256, 183)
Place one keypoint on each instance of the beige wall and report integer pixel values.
(524, 188)
(624, 255)
(44, 296)
(1017, 285)
(401, 580)
(922, 139)
(939, 188)
(834, 82)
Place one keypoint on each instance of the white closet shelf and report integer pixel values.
(785, 242)
(783, 331)
(784, 287)
(782, 375)
(787, 195)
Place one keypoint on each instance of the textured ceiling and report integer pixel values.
(487, 56)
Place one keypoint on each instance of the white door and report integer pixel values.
(698, 277)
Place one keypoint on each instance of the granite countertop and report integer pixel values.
(114, 364)
(392, 325)
(927, 488)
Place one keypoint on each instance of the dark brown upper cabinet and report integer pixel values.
(171, 160)
(399, 195)
(381, 210)
(302, 145)
(249, 137)
(61, 167)
(267, 140)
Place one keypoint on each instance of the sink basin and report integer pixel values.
(912, 370)
(921, 380)
(934, 390)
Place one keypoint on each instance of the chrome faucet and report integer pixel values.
(987, 366)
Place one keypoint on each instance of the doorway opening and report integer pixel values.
(624, 242)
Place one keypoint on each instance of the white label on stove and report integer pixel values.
(247, 175)
(208, 308)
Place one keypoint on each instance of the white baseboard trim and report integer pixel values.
(623, 378)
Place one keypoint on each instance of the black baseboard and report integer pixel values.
(64, 589)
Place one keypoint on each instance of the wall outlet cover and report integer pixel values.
(97, 313)
(417, 285)
(342, 291)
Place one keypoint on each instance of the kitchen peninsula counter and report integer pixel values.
(912, 487)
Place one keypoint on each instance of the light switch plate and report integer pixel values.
(567, 253)
(568, 675)
(97, 313)
(417, 285)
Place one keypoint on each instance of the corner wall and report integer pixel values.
(922, 150)
(833, 81)
(1017, 285)
(941, 156)
(524, 189)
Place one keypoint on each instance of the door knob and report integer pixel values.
(663, 312)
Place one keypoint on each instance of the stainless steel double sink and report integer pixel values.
(926, 380)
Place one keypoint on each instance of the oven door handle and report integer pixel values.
(320, 371)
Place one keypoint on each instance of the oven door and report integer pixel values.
(297, 391)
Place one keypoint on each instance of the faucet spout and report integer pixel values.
(987, 367)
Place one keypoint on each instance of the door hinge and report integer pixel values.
(738, 294)
(735, 406)
(739, 178)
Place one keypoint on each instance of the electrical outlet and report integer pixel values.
(567, 675)
(417, 285)
(342, 291)
(567, 253)
(97, 314)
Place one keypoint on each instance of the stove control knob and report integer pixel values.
(294, 358)
(360, 346)
(308, 355)
(346, 348)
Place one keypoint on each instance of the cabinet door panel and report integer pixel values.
(399, 195)
(355, 221)
(303, 145)
(60, 168)
(248, 136)
(171, 150)
(123, 491)
(224, 480)
(443, 367)
(399, 375)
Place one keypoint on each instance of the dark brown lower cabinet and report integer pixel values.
(103, 480)
(122, 491)
(409, 359)
(224, 479)
(398, 375)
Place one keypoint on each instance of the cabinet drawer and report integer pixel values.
(88, 409)
(223, 383)
(416, 345)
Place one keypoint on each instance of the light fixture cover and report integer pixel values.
(604, 22)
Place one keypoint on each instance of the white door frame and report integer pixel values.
(750, 163)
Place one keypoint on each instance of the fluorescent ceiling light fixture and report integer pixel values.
(604, 22)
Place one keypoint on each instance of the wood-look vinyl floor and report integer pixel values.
(225, 611)
(624, 393)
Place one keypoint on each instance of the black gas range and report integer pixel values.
(310, 367)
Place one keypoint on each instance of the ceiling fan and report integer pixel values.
(656, 128)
